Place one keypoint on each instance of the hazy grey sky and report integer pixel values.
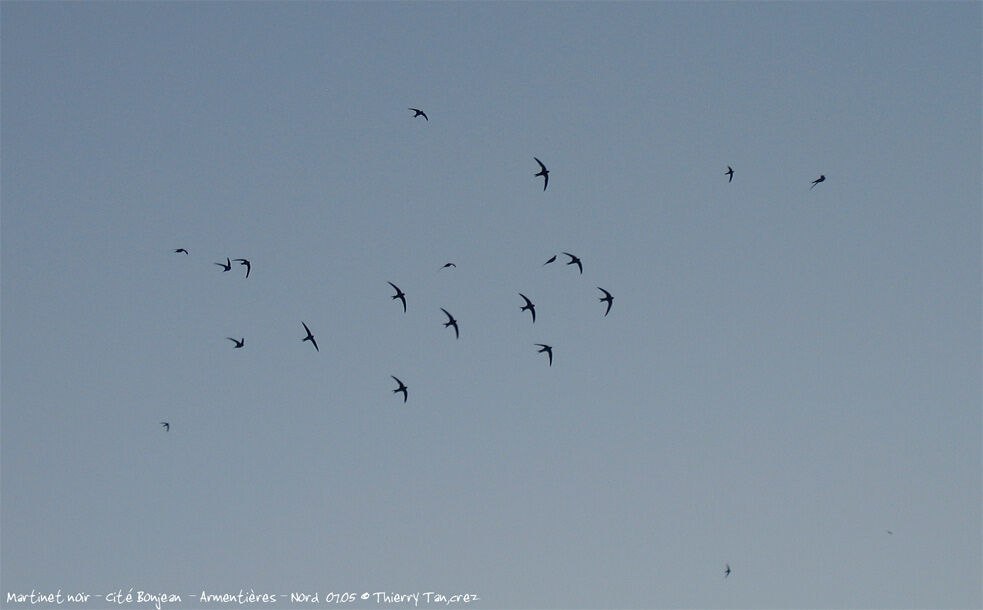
(785, 375)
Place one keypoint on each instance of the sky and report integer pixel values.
(788, 381)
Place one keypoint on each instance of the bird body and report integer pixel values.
(238, 342)
(551, 259)
(821, 178)
(166, 426)
(546, 348)
(180, 251)
(225, 266)
(729, 173)
(417, 112)
(727, 571)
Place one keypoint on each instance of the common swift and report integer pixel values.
(180, 251)
(821, 178)
(451, 322)
(607, 298)
(238, 342)
(245, 264)
(529, 306)
(309, 337)
(399, 295)
(225, 267)
(167, 426)
(727, 571)
(417, 112)
(548, 349)
(402, 388)
(551, 259)
(448, 265)
(575, 261)
(729, 173)
(545, 173)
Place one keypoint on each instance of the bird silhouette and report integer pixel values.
(607, 298)
(551, 259)
(180, 250)
(447, 266)
(729, 173)
(545, 173)
(575, 261)
(529, 306)
(451, 322)
(166, 425)
(417, 112)
(548, 349)
(309, 337)
(226, 266)
(399, 295)
(245, 264)
(821, 178)
(727, 571)
(238, 342)
(402, 388)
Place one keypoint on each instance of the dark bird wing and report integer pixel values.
(574, 260)
(552, 258)
(180, 250)
(529, 306)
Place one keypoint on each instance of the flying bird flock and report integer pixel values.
(607, 300)
(451, 322)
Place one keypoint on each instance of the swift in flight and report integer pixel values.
(607, 298)
(545, 173)
(166, 425)
(245, 264)
(402, 388)
(417, 112)
(729, 173)
(238, 342)
(451, 322)
(529, 306)
(226, 266)
(309, 337)
(575, 261)
(180, 251)
(821, 178)
(399, 295)
(546, 348)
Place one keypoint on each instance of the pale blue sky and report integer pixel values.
(784, 376)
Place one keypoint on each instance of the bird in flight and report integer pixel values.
(166, 425)
(551, 259)
(821, 178)
(529, 306)
(889, 532)
(575, 261)
(729, 173)
(546, 348)
(448, 266)
(399, 295)
(402, 388)
(607, 298)
(545, 173)
(225, 267)
(451, 322)
(238, 342)
(309, 337)
(417, 112)
(180, 251)
(727, 570)
(245, 264)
